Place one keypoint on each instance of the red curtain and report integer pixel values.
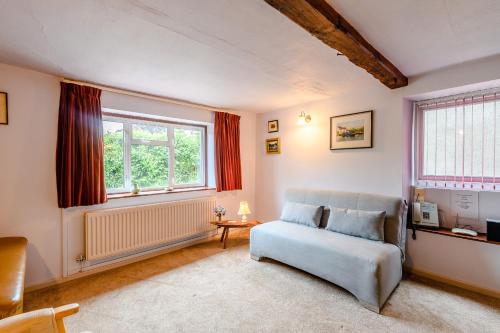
(80, 153)
(227, 151)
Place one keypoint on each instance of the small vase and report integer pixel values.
(219, 218)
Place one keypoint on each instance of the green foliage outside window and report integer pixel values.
(150, 163)
(187, 156)
(149, 166)
(149, 132)
(113, 159)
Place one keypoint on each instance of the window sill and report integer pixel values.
(476, 187)
(147, 193)
(447, 232)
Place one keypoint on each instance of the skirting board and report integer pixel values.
(455, 283)
(123, 262)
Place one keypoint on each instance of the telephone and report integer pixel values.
(425, 214)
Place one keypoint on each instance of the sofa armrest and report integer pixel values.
(12, 272)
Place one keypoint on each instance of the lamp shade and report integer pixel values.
(244, 209)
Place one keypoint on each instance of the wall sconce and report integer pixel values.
(304, 119)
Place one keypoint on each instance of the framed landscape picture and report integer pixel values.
(4, 119)
(272, 126)
(351, 131)
(273, 146)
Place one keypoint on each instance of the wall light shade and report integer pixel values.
(244, 210)
(303, 119)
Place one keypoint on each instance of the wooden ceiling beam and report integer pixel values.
(325, 23)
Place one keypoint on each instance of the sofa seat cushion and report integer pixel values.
(12, 271)
(368, 269)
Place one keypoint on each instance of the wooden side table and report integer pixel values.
(228, 224)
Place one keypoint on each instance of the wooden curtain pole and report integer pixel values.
(143, 95)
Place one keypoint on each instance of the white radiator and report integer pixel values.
(110, 232)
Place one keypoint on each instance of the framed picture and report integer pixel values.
(272, 126)
(4, 119)
(351, 131)
(273, 146)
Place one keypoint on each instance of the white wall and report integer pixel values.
(28, 200)
(460, 260)
(306, 160)
(487, 202)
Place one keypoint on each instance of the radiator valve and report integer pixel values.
(81, 260)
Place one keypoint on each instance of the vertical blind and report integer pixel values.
(458, 141)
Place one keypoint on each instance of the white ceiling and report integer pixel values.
(239, 54)
(419, 36)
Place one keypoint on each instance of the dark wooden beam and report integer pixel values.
(323, 22)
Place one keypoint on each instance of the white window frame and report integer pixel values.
(128, 141)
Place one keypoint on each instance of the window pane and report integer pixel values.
(187, 156)
(489, 139)
(468, 140)
(450, 140)
(149, 132)
(477, 143)
(113, 154)
(430, 129)
(440, 142)
(459, 137)
(496, 135)
(462, 141)
(149, 165)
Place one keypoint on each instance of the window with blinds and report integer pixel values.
(458, 141)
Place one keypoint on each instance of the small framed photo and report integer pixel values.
(273, 126)
(4, 118)
(351, 131)
(273, 146)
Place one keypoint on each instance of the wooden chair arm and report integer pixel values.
(66, 310)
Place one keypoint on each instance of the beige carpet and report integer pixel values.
(206, 289)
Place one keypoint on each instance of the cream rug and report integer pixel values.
(206, 289)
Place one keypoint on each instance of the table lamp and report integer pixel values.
(244, 210)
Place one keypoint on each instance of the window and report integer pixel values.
(152, 154)
(458, 141)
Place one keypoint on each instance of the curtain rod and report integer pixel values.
(144, 95)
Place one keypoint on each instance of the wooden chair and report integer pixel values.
(48, 320)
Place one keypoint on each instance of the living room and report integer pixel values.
(214, 122)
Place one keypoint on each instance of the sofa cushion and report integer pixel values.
(368, 269)
(309, 215)
(359, 223)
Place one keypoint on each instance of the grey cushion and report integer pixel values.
(359, 223)
(370, 270)
(395, 208)
(309, 215)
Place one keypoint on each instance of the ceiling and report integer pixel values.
(238, 54)
(424, 35)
